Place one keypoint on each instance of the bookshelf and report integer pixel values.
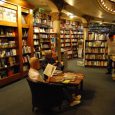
(43, 32)
(95, 47)
(71, 38)
(9, 65)
(26, 38)
(15, 41)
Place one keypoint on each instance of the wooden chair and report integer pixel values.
(45, 95)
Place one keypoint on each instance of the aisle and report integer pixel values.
(98, 97)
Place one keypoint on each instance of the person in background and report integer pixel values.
(51, 60)
(111, 51)
(34, 73)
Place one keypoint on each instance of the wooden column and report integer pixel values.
(56, 26)
(85, 32)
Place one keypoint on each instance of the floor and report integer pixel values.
(98, 95)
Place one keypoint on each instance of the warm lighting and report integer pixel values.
(107, 7)
(71, 15)
(2, 1)
(112, 0)
(101, 23)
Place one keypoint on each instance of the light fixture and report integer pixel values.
(2, 1)
(71, 15)
(112, 0)
(105, 4)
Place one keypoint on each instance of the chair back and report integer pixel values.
(46, 95)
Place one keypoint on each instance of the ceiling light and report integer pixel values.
(112, 0)
(2, 1)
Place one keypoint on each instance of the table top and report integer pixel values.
(68, 78)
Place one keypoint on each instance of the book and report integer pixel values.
(49, 70)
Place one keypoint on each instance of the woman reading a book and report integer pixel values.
(35, 76)
(34, 73)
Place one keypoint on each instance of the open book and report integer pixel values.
(49, 70)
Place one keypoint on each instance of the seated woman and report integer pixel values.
(49, 59)
(35, 76)
(34, 73)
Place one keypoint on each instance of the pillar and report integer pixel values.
(56, 26)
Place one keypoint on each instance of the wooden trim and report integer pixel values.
(9, 5)
(25, 26)
(9, 79)
(5, 23)
(20, 37)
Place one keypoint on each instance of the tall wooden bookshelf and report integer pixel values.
(71, 35)
(14, 40)
(43, 32)
(96, 46)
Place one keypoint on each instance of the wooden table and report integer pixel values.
(68, 78)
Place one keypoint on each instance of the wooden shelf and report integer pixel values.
(5, 23)
(17, 28)
(25, 26)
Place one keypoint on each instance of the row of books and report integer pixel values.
(67, 44)
(96, 63)
(71, 36)
(26, 49)
(35, 36)
(25, 59)
(74, 23)
(9, 72)
(44, 40)
(64, 25)
(74, 40)
(93, 56)
(69, 40)
(96, 44)
(44, 51)
(41, 30)
(97, 36)
(37, 48)
(7, 44)
(37, 54)
(7, 14)
(71, 32)
(25, 68)
(12, 61)
(7, 53)
(4, 63)
(44, 36)
(74, 44)
(24, 42)
(45, 45)
(96, 50)
(8, 32)
(75, 48)
(24, 33)
(36, 42)
(38, 20)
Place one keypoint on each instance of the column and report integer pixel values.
(56, 26)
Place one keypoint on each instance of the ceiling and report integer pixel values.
(89, 9)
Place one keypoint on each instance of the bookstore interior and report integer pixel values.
(34, 27)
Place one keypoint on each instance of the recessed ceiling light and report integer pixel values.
(112, 0)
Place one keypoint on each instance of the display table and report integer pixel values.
(69, 78)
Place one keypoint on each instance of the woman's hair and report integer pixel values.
(33, 61)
